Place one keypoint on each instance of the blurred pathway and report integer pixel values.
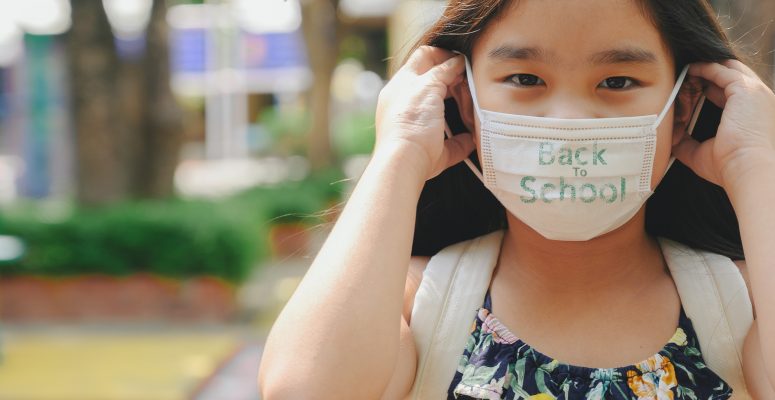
(154, 362)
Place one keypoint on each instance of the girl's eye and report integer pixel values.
(617, 82)
(525, 80)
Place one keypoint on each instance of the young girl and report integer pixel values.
(573, 121)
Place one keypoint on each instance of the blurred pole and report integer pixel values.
(46, 138)
(319, 24)
(226, 105)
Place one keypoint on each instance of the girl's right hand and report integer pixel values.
(410, 112)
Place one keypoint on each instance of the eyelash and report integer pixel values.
(514, 79)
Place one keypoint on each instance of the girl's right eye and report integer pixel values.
(525, 80)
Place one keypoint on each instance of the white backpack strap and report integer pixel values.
(715, 298)
(452, 289)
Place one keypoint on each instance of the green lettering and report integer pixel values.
(543, 192)
(566, 157)
(541, 153)
(523, 185)
(621, 196)
(590, 198)
(578, 159)
(597, 155)
(613, 193)
(563, 186)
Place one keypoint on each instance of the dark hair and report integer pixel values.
(455, 206)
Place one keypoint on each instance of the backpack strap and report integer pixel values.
(452, 289)
(715, 298)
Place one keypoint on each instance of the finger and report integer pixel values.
(425, 58)
(449, 71)
(456, 149)
(740, 66)
(715, 73)
(697, 156)
(716, 95)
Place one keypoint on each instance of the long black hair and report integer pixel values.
(455, 206)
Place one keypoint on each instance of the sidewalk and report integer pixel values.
(154, 362)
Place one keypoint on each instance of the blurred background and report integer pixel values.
(168, 170)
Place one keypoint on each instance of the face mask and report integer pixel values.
(568, 179)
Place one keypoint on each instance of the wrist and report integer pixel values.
(409, 157)
(747, 174)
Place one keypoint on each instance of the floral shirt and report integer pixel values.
(498, 365)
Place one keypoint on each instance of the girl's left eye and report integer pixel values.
(618, 82)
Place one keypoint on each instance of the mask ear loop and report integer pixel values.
(468, 162)
(670, 101)
(448, 131)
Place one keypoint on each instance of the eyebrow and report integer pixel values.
(624, 55)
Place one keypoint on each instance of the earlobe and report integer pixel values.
(462, 95)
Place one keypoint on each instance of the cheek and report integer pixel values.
(664, 149)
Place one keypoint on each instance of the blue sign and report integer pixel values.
(273, 51)
(188, 50)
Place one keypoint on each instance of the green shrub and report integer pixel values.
(174, 238)
(354, 134)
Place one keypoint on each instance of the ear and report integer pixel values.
(462, 95)
(686, 101)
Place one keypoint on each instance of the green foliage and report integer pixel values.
(174, 238)
(354, 134)
(303, 201)
(287, 129)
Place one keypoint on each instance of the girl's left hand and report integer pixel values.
(746, 135)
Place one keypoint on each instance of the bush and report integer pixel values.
(173, 238)
(354, 134)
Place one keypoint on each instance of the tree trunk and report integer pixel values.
(128, 125)
(93, 67)
(163, 124)
(319, 24)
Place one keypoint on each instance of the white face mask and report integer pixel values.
(568, 179)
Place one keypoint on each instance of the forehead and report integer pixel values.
(566, 31)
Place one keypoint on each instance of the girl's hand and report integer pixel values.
(745, 139)
(410, 111)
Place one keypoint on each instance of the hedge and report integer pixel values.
(174, 238)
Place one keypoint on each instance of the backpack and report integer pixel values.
(711, 288)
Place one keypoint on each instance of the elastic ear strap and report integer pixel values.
(472, 88)
(673, 95)
(690, 129)
(468, 162)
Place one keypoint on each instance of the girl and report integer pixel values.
(572, 119)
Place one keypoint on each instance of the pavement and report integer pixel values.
(146, 361)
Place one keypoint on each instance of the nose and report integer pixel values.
(568, 106)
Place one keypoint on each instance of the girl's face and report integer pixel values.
(574, 59)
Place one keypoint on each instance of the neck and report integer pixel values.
(624, 257)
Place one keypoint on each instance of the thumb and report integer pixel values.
(698, 156)
(456, 149)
